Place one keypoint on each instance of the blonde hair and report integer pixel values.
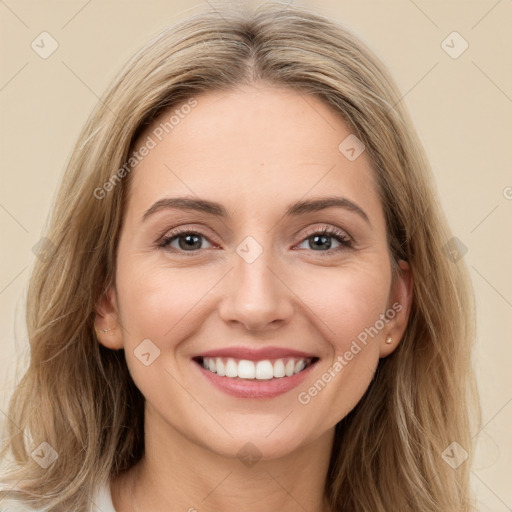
(79, 397)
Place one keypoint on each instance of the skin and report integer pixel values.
(255, 150)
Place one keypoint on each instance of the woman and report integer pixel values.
(247, 303)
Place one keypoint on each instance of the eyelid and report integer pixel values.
(328, 230)
(186, 228)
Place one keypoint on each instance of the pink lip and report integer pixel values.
(258, 389)
(255, 354)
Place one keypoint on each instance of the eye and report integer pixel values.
(185, 240)
(321, 240)
(326, 240)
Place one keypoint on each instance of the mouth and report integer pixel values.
(266, 369)
(254, 374)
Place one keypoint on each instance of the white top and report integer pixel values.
(102, 502)
(104, 499)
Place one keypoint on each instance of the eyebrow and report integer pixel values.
(293, 210)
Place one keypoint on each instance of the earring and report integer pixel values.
(104, 331)
(389, 340)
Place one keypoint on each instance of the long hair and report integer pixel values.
(389, 452)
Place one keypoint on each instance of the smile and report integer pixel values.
(255, 373)
(261, 370)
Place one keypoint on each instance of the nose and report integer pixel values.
(255, 296)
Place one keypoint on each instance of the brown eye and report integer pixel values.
(188, 241)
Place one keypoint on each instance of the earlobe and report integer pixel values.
(401, 297)
(106, 322)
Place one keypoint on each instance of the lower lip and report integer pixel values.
(254, 388)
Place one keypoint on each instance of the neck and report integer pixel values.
(177, 474)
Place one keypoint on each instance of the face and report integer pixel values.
(252, 245)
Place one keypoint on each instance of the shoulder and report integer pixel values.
(102, 502)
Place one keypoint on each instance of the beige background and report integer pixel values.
(462, 109)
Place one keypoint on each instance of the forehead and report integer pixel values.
(253, 146)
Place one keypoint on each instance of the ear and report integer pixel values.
(106, 322)
(399, 307)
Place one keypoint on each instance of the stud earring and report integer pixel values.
(389, 340)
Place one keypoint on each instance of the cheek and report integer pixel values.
(156, 300)
(346, 302)
(347, 307)
(157, 303)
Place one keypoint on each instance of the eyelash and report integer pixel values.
(345, 241)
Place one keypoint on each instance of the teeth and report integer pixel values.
(260, 370)
(300, 366)
(279, 370)
(264, 370)
(290, 367)
(246, 369)
(221, 368)
(231, 368)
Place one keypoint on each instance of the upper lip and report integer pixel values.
(255, 354)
